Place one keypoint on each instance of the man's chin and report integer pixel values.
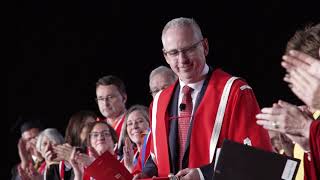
(187, 78)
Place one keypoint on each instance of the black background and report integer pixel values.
(63, 47)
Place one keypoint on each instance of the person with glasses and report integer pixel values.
(191, 118)
(161, 78)
(111, 99)
(101, 139)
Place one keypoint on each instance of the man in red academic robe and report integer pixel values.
(216, 97)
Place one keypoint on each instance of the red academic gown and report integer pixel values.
(239, 122)
(144, 154)
(116, 126)
(312, 166)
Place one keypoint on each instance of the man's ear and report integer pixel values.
(206, 46)
(124, 98)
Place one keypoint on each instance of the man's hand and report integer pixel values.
(188, 174)
(29, 173)
(24, 155)
(140, 176)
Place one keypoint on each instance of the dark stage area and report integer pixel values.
(63, 47)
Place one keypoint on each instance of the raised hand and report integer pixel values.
(305, 86)
(297, 59)
(63, 152)
(128, 154)
(285, 118)
(76, 164)
(24, 155)
(29, 173)
(87, 159)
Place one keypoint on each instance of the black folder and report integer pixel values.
(242, 162)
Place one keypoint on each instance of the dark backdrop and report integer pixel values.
(64, 47)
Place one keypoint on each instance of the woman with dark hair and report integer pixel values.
(77, 129)
(75, 135)
(101, 140)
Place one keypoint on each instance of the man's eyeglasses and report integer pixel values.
(188, 51)
(95, 135)
(108, 98)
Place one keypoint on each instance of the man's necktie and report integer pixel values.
(184, 120)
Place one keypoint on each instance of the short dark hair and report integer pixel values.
(30, 124)
(112, 80)
(306, 40)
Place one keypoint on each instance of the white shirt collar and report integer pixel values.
(195, 86)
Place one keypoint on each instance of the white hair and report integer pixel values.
(164, 71)
(180, 23)
(52, 134)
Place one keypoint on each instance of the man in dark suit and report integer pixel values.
(29, 129)
(192, 117)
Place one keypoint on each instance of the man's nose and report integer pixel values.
(182, 57)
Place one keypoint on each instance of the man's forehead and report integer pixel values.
(108, 89)
(31, 133)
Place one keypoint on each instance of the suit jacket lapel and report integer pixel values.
(173, 130)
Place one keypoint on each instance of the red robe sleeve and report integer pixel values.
(242, 126)
(312, 165)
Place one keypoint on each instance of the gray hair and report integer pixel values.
(182, 22)
(165, 71)
(52, 134)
